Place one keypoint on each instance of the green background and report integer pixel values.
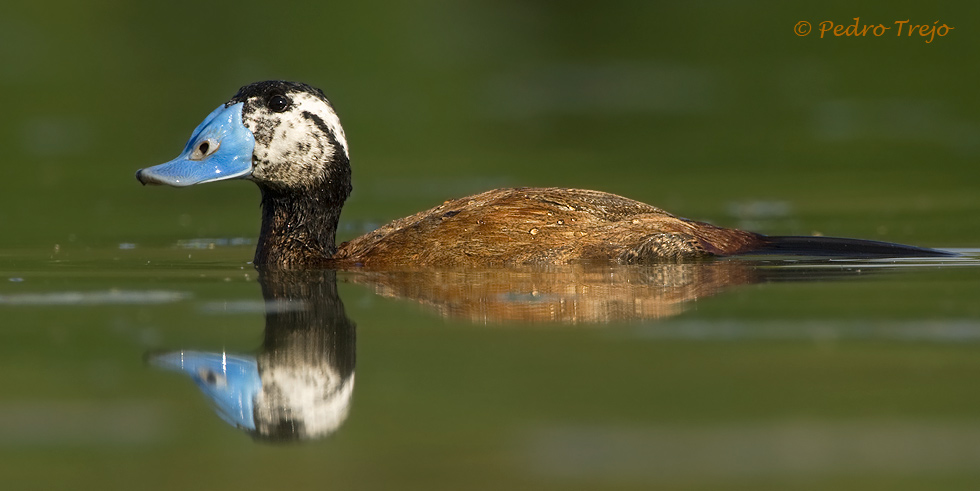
(711, 110)
(692, 108)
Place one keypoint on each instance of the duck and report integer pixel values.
(287, 138)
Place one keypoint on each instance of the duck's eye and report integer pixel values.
(279, 103)
(203, 149)
(212, 378)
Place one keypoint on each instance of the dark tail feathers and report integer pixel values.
(835, 246)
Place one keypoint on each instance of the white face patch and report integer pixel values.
(313, 395)
(295, 147)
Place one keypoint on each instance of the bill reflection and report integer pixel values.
(299, 384)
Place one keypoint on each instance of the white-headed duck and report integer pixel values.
(287, 138)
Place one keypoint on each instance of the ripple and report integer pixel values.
(204, 243)
(940, 331)
(253, 306)
(108, 297)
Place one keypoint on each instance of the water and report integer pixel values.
(734, 372)
(723, 375)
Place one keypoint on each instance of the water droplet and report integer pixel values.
(533, 231)
(561, 222)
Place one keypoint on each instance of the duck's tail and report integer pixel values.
(835, 246)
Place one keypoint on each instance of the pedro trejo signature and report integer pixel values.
(901, 28)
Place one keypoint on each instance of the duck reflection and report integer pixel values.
(299, 385)
(585, 293)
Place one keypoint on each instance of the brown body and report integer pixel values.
(539, 226)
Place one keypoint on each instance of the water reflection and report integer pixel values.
(601, 293)
(299, 384)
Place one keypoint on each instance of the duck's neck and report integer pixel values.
(299, 228)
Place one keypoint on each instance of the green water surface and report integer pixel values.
(712, 110)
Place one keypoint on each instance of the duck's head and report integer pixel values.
(271, 401)
(282, 135)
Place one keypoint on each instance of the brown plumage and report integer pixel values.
(298, 157)
(539, 226)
